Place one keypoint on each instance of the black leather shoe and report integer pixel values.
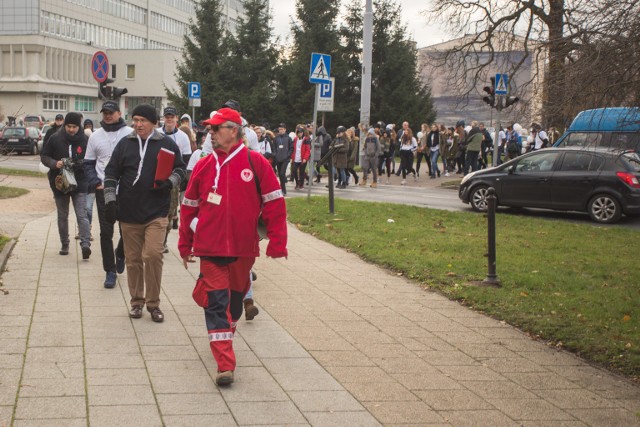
(64, 250)
(135, 312)
(86, 252)
(156, 314)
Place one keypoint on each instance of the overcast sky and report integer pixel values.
(424, 35)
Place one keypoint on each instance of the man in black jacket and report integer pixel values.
(67, 148)
(142, 205)
(57, 124)
(282, 156)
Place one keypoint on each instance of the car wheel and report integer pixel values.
(605, 209)
(478, 198)
(34, 149)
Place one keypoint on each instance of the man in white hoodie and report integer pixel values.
(99, 148)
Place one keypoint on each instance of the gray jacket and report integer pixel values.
(284, 148)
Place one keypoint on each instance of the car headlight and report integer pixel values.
(467, 177)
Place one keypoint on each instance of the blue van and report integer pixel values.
(614, 128)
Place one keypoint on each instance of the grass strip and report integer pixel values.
(20, 172)
(573, 285)
(11, 192)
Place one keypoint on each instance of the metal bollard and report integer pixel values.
(492, 277)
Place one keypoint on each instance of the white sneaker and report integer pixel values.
(404, 181)
(446, 174)
(387, 182)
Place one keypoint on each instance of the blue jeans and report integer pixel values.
(80, 207)
(91, 197)
(434, 163)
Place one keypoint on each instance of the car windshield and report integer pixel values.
(19, 132)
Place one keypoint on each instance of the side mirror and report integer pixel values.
(511, 169)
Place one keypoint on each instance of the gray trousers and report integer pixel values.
(370, 163)
(80, 207)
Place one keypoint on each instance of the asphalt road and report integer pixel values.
(435, 198)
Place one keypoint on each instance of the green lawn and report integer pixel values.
(11, 192)
(574, 285)
(20, 172)
(3, 241)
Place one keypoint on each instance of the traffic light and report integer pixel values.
(510, 100)
(118, 92)
(491, 93)
(106, 92)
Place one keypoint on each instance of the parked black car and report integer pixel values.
(19, 139)
(605, 184)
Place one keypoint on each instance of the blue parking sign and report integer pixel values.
(194, 90)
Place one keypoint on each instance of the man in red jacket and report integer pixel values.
(227, 193)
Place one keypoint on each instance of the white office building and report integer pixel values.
(46, 48)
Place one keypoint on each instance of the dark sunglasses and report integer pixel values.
(215, 128)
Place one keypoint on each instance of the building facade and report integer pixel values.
(446, 86)
(46, 48)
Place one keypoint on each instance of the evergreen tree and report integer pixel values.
(205, 50)
(397, 93)
(314, 31)
(250, 69)
(348, 84)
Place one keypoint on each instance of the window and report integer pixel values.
(576, 162)
(131, 71)
(54, 102)
(541, 162)
(85, 104)
(625, 140)
(583, 139)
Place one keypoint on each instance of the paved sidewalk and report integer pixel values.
(337, 342)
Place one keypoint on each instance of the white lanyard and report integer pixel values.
(142, 153)
(227, 160)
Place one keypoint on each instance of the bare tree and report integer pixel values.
(571, 46)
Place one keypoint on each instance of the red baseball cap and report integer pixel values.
(224, 115)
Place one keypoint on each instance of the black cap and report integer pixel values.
(110, 106)
(170, 111)
(341, 129)
(233, 104)
(88, 122)
(59, 117)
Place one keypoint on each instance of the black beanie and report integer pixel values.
(73, 119)
(147, 111)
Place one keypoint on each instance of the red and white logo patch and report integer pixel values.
(246, 175)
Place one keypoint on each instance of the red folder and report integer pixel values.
(166, 160)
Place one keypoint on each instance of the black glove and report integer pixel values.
(166, 184)
(111, 212)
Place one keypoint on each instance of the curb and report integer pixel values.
(4, 255)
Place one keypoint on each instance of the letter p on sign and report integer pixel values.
(194, 90)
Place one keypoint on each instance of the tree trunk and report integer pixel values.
(554, 83)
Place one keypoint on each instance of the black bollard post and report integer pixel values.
(330, 176)
(492, 277)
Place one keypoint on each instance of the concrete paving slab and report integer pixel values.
(338, 341)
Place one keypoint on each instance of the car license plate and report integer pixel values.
(14, 140)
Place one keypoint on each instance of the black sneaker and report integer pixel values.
(64, 250)
(86, 252)
(119, 263)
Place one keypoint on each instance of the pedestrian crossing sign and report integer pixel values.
(502, 84)
(320, 70)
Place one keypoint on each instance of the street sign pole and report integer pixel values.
(313, 141)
